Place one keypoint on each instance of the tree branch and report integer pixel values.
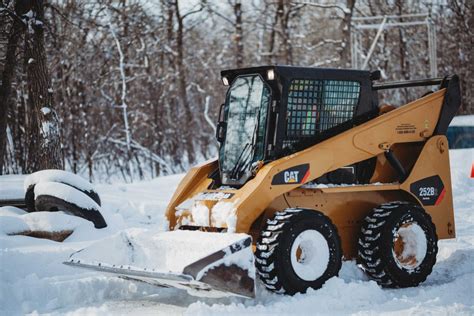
(321, 6)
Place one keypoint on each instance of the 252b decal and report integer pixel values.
(430, 191)
(427, 191)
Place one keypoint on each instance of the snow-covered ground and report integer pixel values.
(34, 280)
(11, 187)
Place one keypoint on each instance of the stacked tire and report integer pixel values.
(58, 190)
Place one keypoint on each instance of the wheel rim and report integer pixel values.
(409, 246)
(310, 255)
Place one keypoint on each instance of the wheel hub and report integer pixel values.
(409, 246)
(310, 255)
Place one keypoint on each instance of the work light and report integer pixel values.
(225, 81)
(270, 74)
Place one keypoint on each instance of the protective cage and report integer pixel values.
(317, 105)
(311, 104)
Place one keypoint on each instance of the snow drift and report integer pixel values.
(33, 278)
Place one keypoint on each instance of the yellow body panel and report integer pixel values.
(408, 130)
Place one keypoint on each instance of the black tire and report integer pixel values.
(30, 199)
(30, 196)
(380, 245)
(48, 203)
(274, 250)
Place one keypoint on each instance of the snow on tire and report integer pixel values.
(298, 249)
(398, 244)
(53, 196)
(58, 176)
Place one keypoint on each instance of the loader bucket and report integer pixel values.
(204, 264)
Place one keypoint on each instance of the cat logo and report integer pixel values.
(294, 175)
(291, 176)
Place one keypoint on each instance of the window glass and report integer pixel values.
(246, 105)
(317, 105)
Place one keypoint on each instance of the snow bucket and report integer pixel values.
(204, 264)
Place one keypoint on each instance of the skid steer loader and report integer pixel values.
(312, 170)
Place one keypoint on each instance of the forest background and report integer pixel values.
(129, 89)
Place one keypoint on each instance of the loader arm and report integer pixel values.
(360, 143)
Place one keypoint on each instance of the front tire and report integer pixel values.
(398, 245)
(298, 249)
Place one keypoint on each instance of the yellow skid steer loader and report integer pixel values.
(312, 170)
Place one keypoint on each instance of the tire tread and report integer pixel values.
(370, 248)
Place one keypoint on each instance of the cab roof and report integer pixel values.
(292, 72)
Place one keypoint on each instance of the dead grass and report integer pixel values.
(55, 236)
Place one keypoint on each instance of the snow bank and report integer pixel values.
(12, 225)
(139, 204)
(52, 221)
(462, 159)
(11, 210)
(33, 278)
(11, 187)
(14, 220)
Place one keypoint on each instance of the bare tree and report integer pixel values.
(16, 31)
(238, 37)
(48, 152)
(173, 52)
(346, 29)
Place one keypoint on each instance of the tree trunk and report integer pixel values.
(280, 28)
(271, 44)
(16, 31)
(188, 131)
(346, 34)
(402, 49)
(285, 31)
(40, 93)
(239, 45)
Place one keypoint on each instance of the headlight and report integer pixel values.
(225, 81)
(270, 74)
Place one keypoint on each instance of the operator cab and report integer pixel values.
(274, 111)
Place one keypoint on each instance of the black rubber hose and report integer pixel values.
(396, 164)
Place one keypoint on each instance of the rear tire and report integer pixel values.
(58, 176)
(48, 203)
(398, 245)
(30, 199)
(298, 249)
(30, 196)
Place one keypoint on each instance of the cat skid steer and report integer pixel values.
(312, 170)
